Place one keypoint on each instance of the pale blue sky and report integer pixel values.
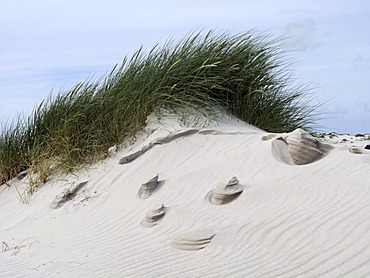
(47, 45)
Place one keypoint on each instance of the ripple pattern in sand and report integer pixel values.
(294, 221)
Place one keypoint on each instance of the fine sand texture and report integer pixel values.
(225, 200)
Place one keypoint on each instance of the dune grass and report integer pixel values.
(241, 74)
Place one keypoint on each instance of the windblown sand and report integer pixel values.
(230, 200)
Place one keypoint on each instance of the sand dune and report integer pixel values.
(299, 208)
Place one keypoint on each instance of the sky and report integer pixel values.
(49, 46)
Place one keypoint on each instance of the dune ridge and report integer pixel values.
(290, 220)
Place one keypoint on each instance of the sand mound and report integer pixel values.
(147, 189)
(153, 216)
(224, 194)
(357, 150)
(298, 147)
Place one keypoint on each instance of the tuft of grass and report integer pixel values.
(13, 150)
(200, 75)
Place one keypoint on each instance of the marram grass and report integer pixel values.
(203, 73)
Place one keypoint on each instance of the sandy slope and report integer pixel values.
(288, 221)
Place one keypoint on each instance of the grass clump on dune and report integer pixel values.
(242, 75)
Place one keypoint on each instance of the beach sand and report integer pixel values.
(226, 200)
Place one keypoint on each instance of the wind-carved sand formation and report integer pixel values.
(224, 194)
(193, 240)
(131, 157)
(67, 195)
(163, 140)
(147, 189)
(153, 216)
(298, 148)
(357, 150)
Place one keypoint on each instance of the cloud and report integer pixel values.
(367, 108)
(300, 35)
(361, 63)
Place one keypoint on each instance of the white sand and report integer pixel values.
(286, 220)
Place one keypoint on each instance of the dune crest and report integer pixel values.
(158, 141)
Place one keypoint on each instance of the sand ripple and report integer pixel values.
(307, 221)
